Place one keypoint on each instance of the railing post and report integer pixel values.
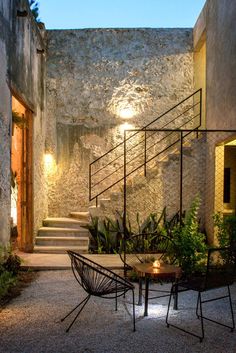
(181, 178)
(125, 205)
(145, 152)
(200, 113)
(200, 110)
(90, 182)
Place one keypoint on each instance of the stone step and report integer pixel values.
(82, 216)
(59, 249)
(62, 232)
(63, 222)
(104, 202)
(62, 241)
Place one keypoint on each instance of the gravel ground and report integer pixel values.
(31, 323)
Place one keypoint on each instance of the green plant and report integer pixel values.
(34, 6)
(225, 229)
(7, 279)
(152, 234)
(188, 248)
(19, 120)
(105, 235)
(9, 268)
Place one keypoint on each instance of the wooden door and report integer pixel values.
(26, 203)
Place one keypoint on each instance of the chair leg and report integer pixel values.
(116, 298)
(231, 309)
(83, 303)
(133, 311)
(172, 293)
(197, 314)
(168, 309)
(199, 300)
(140, 290)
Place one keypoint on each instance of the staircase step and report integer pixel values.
(62, 232)
(104, 202)
(82, 216)
(59, 249)
(63, 222)
(62, 241)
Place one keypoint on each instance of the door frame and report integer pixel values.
(25, 241)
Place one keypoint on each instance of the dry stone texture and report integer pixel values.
(93, 78)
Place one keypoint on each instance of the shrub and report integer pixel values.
(226, 229)
(9, 268)
(188, 248)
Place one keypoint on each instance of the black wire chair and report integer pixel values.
(220, 272)
(143, 248)
(97, 281)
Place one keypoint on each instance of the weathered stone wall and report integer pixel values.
(21, 74)
(216, 31)
(94, 77)
(161, 187)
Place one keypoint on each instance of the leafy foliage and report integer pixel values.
(188, 249)
(34, 6)
(150, 234)
(9, 268)
(226, 230)
(19, 120)
(105, 235)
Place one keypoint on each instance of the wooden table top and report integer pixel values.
(165, 270)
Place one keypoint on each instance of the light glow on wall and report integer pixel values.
(125, 126)
(130, 98)
(126, 112)
(49, 163)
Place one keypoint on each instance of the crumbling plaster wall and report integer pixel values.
(93, 77)
(21, 74)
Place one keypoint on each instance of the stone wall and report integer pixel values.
(21, 75)
(215, 33)
(97, 80)
(161, 188)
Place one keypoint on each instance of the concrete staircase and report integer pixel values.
(60, 234)
(139, 180)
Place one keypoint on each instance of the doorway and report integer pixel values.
(21, 177)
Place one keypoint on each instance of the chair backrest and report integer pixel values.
(96, 279)
(145, 247)
(220, 267)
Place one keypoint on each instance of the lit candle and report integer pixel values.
(156, 264)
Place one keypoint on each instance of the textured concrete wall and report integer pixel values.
(218, 21)
(216, 27)
(21, 74)
(161, 188)
(93, 78)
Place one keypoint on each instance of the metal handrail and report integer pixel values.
(136, 131)
(121, 155)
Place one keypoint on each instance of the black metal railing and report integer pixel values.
(111, 168)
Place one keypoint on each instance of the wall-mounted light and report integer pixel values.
(49, 163)
(23, 13)
(126, 112)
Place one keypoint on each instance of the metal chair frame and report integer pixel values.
(208, 281)
(140, 255)
(97, 281)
